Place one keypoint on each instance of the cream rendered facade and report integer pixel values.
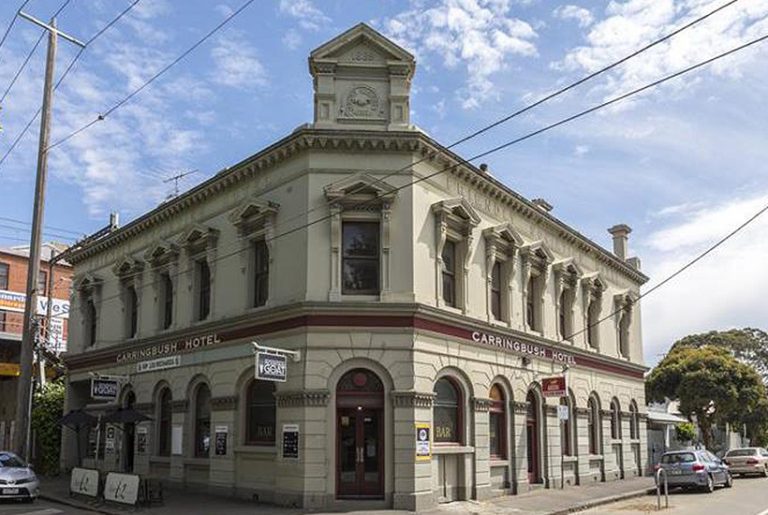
(355, 164)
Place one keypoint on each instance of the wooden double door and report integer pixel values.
(360, 448)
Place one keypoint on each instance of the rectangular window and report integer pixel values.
(449, 273)
(260, 273)
(42, 283)
(167, 301)
(4, 274)
(90, 313)
(496, 290)
(132, 309)
(360, 258)
(530, 305)
(2, 322)
(203, 290)
(496, 437)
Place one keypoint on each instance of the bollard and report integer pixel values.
(658, 489)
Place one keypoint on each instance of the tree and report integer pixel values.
(748, 345)
(47, 410)
(685, 431)
(712, 386)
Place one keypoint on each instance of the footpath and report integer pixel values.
(541, 502)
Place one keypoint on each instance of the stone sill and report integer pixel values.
(160, 459)
(453, 449)
(496, 463)
(595, 457)
(202, 462)
(570, 459)
(255, 449)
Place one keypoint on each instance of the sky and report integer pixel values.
(683, 164)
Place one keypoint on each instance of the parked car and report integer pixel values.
(695, 469)
(17, 479)
(747, 460)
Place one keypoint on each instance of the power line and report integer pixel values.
(64, 75)
(461, 162)
(100, 117)
(537, 103)
(31, 53)
(46, 233)
(59, 229)
(13, 21)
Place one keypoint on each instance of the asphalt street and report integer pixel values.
(38, 508)
(749, 496)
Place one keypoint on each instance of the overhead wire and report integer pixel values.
(525, 137)
(13, 22)
(59, 229)
(64, 75)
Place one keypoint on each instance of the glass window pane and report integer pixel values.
(449, 257)
(360, 260)
(261, 273)
(446, 411)
(361, 239)
(261, 413)
(4, 274)
(361, 276)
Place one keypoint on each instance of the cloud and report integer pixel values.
(478, 35)
(580, 150)
(725, 289)
(574, 12)
(305, 12)
(632, 24)
(292, 39)
(236, 64)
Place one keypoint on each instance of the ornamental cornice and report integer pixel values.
(226, 403)
(481, 404)
(520, 408)
(180, 406)
(582, 412)
(307, 138)
(303, 398)
(550, 409)
(411, 399)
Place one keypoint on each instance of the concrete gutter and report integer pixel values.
(593, 503)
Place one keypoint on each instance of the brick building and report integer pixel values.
(13, 284)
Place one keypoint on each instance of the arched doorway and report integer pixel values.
(129, 433)
(533, 440)
(360, 435)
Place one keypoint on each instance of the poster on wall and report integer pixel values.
(423, 446)
(109, 440)
(141, 439)
(291, 441)
(221, 440)
(177, 436)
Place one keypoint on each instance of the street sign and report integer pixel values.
(271, 367)
(553, 386)
(104, 389)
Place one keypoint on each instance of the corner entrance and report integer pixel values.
(360, 436)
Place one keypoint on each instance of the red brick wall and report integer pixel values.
(17, 282)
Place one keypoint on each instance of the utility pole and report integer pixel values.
(24, 398)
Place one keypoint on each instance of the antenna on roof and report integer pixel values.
(176, 178)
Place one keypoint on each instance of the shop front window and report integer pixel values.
(202, 421)
(447, 412)
(261, 414)
(497, 423)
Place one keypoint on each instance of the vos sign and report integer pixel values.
(104, 389)
(271, 367)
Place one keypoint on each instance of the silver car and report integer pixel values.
(695, 469)
(17, 479)
(749, 460)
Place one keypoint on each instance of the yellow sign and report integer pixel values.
(423, 442)
(9, 369)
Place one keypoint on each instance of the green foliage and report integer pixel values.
(685, 431)
(710, 384)
(46, 412)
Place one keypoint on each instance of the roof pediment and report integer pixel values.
(86, 282)
(360, 46)
(252, 209)
(359, 186)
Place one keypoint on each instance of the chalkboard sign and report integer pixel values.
(141, 440)
(291, 441)
(221, 440)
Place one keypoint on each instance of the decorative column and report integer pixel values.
(482, 448)
(520, 446)
(335, 292)
(413, 479)
(222, 475)
(611, 449)
(553, 451)
(179, 418)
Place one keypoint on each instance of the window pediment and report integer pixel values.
(360, 190)
(593, 284)
(457, 212)
(568, 271)
(161, 253)
(87, 283)
(537, 255)
(199, 237)
(127, 266)
(502, 238)
(253, 215)
(623, 300)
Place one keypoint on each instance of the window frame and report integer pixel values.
(593, 426)
(373, 258)
(91, 320)
(42, 283)
(260, 277)
(567, 440)
(260, 405)
(450, 298)
(496, 288)
(168, 301)
(5, 275)
(131, 311)
(204, 290)
(615, 420)
(199, 422)
(497, 410)
(164, 422)
(3, 321)
(459, 412)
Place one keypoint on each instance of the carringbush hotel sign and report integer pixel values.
(528, 349)
(168, 349)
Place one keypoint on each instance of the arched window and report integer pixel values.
(497, 423)
(164, 416)
(634, 422)
(593, 423)
(496, 290)
(260, 413)
(447, 412)
(567, 433)
(202, 421)
(615, 420)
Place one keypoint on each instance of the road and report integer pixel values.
(38, 508)
(749, 496)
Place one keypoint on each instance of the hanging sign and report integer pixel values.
(423, 445)
(271, 367)
(553, 386)
(221, 440)
(291, 441)
(104, 389)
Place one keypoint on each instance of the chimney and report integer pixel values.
(114, 220)
(620, 235)
(542, 204)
